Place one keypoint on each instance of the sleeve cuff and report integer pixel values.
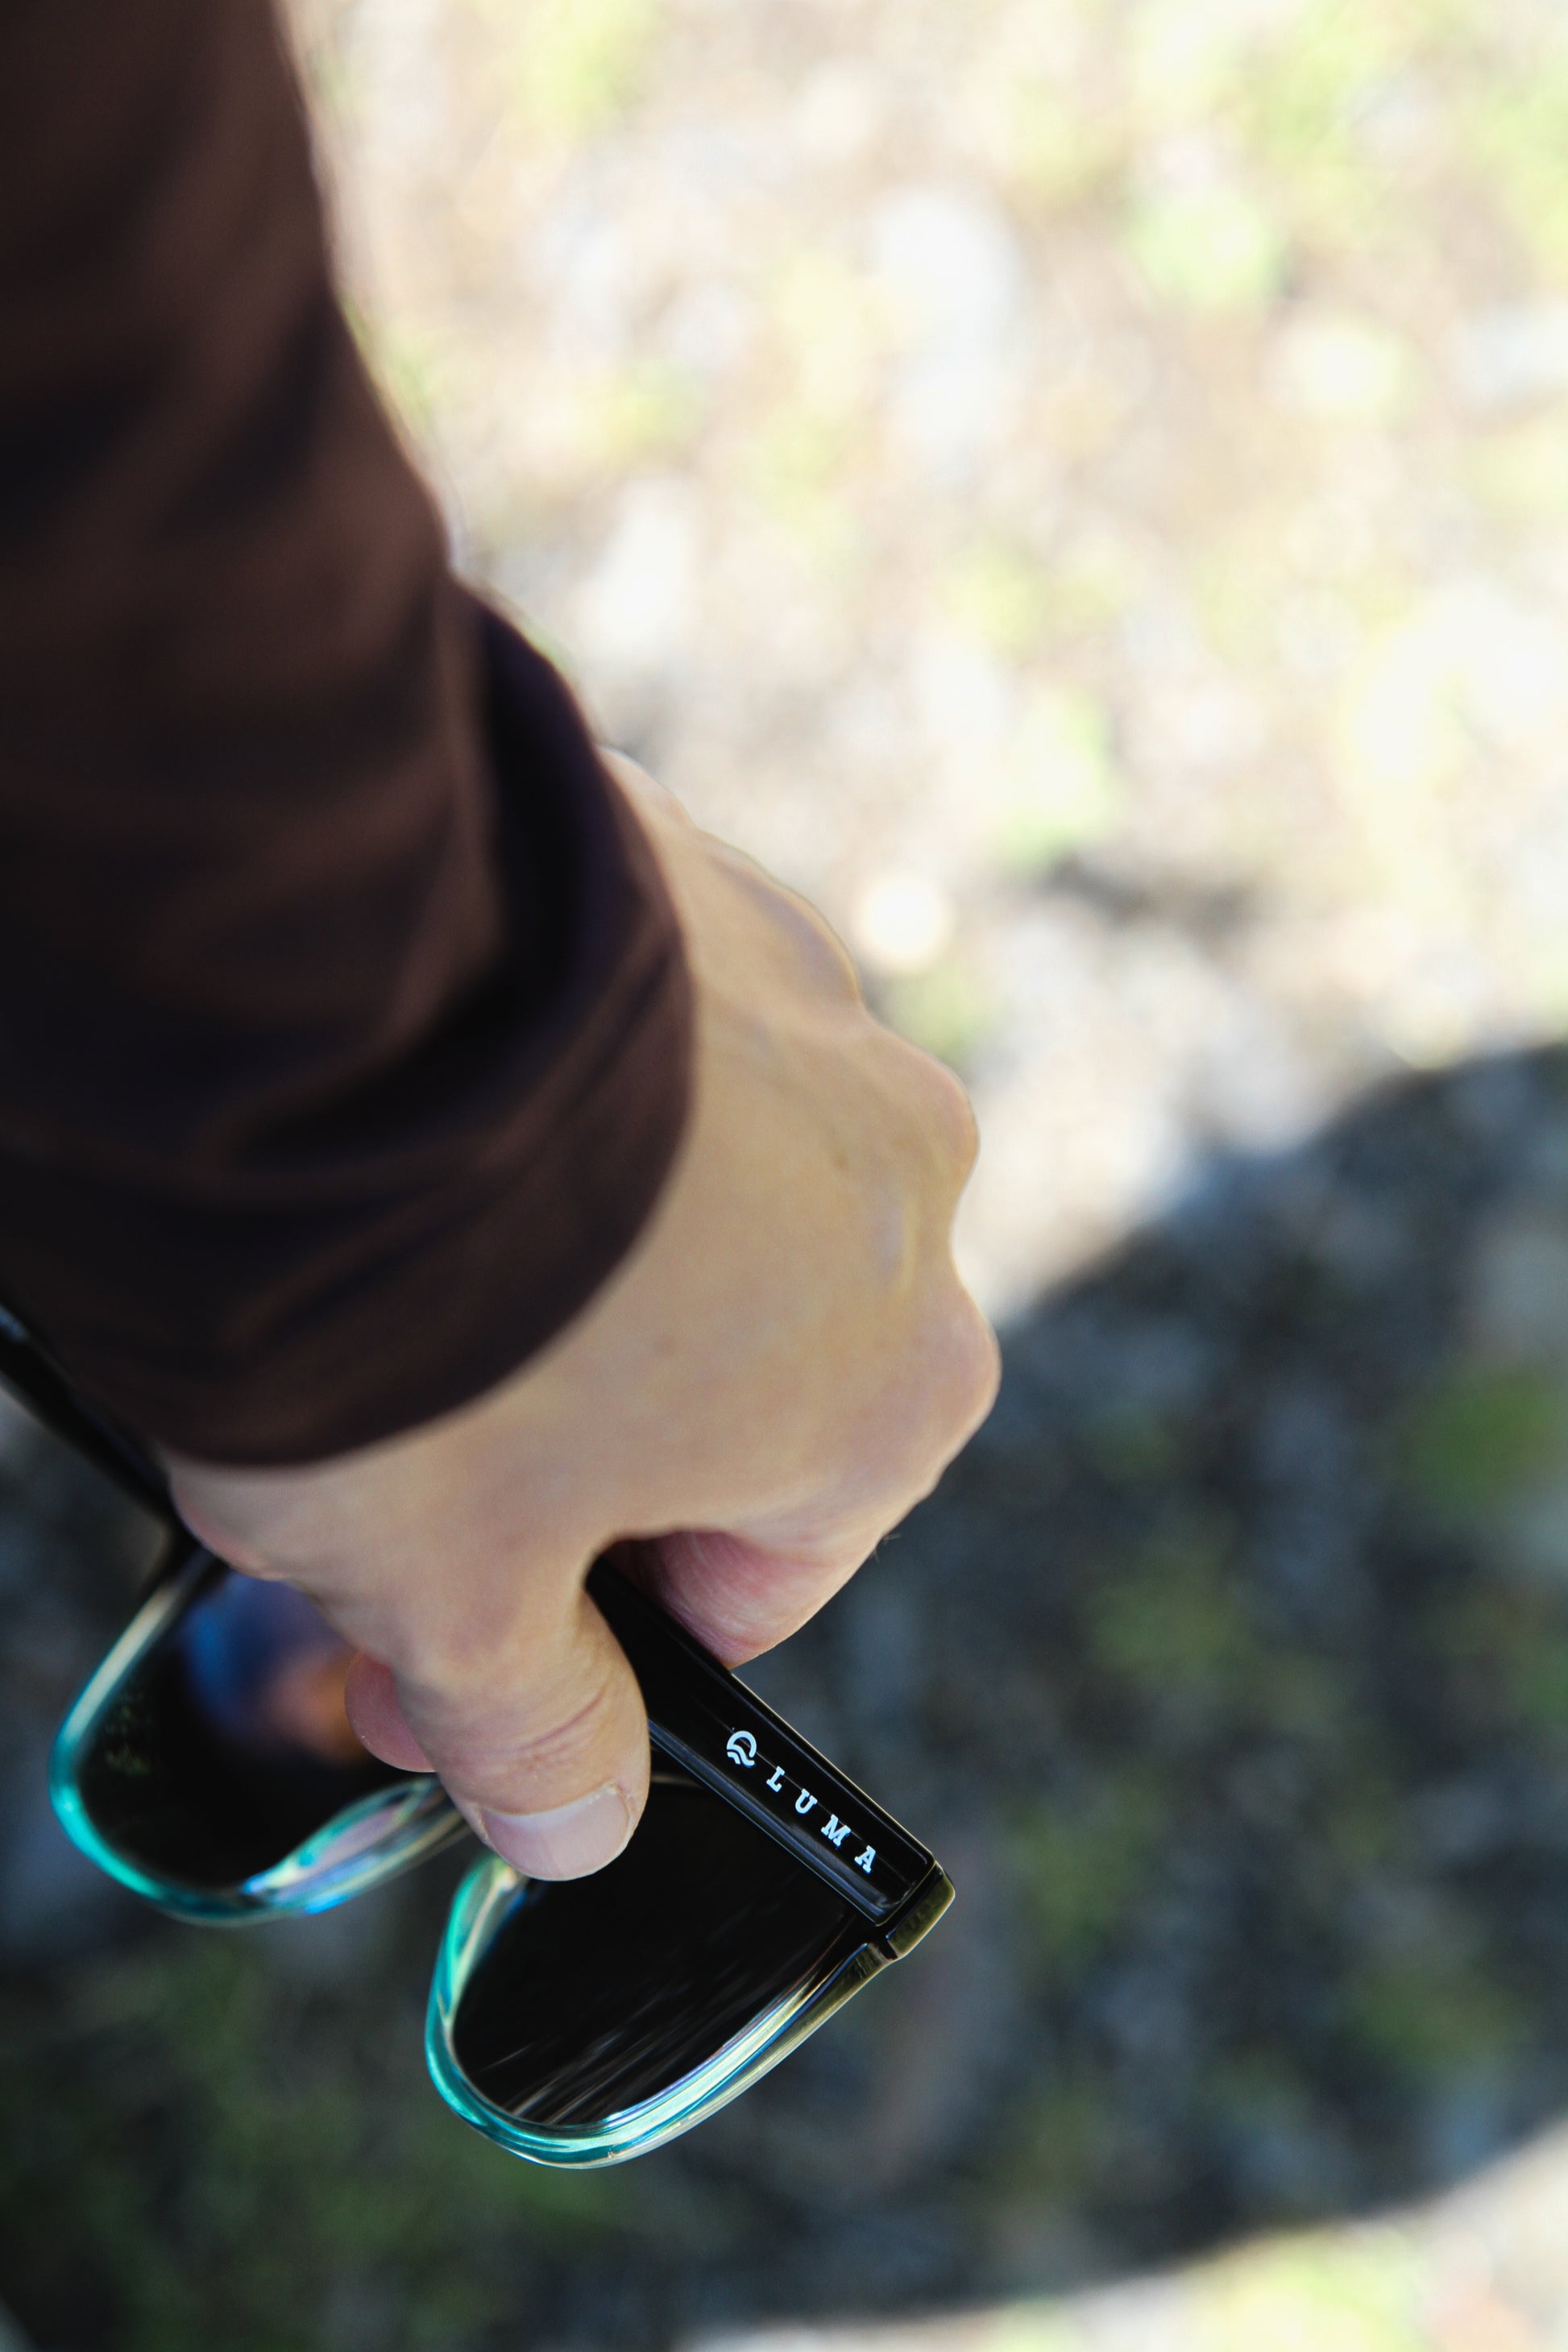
(412, 1248)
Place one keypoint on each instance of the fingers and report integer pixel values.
(542, 1739)
(497, 1673)
(738, 1596)
(370, 1699)
(741, 1592)
(784, 1363)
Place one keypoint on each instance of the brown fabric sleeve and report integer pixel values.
(343, 1021)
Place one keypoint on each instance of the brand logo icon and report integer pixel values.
(740, 1748)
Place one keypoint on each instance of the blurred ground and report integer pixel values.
(1229, 1673)
(1082, 489)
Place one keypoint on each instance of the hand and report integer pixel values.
(780, 1368)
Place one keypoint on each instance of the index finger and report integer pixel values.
(737, 1597)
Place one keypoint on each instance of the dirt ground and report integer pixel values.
(1080, 487)
(1077, 485)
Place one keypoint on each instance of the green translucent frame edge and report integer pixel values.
(398, 1827)
(487, 1889)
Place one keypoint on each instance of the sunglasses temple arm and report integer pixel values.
(27, 1368)
(709, 1721)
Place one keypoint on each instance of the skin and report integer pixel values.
(779, 1371)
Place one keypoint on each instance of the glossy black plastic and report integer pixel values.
(596, 1993)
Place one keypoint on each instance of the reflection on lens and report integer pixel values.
(267, 1672)
(226, 1748)
(594, 1994)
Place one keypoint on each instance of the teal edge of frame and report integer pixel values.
(487, 1891)
(373, 1840)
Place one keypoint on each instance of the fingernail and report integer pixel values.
(567, 1843)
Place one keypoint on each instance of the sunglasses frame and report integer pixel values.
(716, 1731)
(378, 1835)
(484, 1896)
(909, 1910)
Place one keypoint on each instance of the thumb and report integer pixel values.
(541, 1742)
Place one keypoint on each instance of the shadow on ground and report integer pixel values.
(1229, 1673)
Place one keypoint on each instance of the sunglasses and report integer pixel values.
(209, 1765)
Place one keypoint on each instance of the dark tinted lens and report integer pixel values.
(595, 1993)
(229, 1747)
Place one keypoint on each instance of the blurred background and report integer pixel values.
(1080, 489)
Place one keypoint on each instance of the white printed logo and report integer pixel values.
(740, 1748)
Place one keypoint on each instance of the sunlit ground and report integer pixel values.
(1079, 485)
(1472, 2273)
(1082, 490)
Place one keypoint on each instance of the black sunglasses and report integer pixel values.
(208, 1765)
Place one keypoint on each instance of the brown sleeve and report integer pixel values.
(343, 1021)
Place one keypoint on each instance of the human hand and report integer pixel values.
(780, 1368)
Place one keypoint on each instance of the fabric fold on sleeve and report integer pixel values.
(403, 1248)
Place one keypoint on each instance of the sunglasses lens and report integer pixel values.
(220, 1751)
(590, 1996)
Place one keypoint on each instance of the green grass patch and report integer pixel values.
(1171, 1624)
(948, 1011)
(579, 64)
(1479, 1437)
(1430, 2013)
(1081, 1867)
(234, 2159)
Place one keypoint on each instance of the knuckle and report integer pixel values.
(542, 1749)
(817, 951)
(811, 947)
(931, 1420)
(939, 1111)
(966, 1369)
(984, 1371)
(957, 1128)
